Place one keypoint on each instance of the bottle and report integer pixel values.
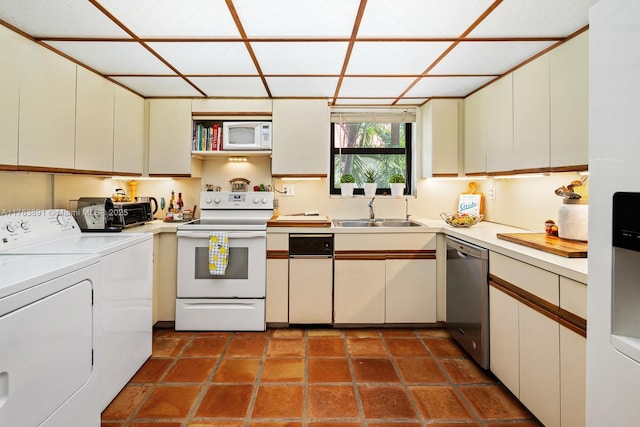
(171, 201)
(180, 202)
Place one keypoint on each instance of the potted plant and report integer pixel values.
(396, 183)
(346, 184)
(370, 176)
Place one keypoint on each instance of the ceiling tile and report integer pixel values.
(374, 86)
(302, 86)
(448, 86)
(114, 57)
(295, 18)
(171, 18)
(63, 18)
(394, 58)
(420, 18)
(487, 57)
(300, 57)
(231, 86)
(158, 86)
(412, 101)
(535, 18)
(207, 57)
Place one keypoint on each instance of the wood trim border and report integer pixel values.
(231, 113)
(277, 254)
(377, 255)
(574, 168)
(565, 318)
(299, 175)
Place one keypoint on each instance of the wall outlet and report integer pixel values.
(288, 189)
(492, 191)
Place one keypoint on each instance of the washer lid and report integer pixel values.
(92, 243)
(20, 272)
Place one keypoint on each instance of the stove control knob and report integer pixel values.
(10, 227)
(208, 200)
(25, 225)
(217, 200)
(256, 200)
(264, 200)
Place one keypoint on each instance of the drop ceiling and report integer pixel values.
(352, 52)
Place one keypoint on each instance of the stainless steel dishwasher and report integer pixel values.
(468, 297)
(311, 278)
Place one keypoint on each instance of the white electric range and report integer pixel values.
(122, 312)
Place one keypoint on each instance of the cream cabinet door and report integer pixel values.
(531, 115)
(440, 135)
(47, 109)
(573, 373)
(277, 299)
(503, 339)
(300, 137)
(94, 122)
(410, 293)
(170, 137)
(475, 148)
(359, 291)
(128, 132)
(498, 125)
(569, 100)
(310, 290)
(10, 45)
(540, 365)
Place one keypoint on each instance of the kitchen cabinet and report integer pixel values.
(569, 100)
(128, 133)
(440, 137)
(300, 138)
(310, 290)
(10, 46)
(47, 109)
(277, 296)
(538, 345)
(475, 145)
(165, 255)
(531, 133)
(385, 278)
(170, 138)
(498, 126)
(94, 123)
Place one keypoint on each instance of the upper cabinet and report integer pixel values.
(569, 83)
(10, 44)
(94, 123)
(475, 145)
(531, 139)
(170, 138)
(300, 138)
(47, 109)
(440, 137)
(128, 133)
(499, 126)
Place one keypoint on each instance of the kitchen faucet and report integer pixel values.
(372, 215)
(406, 208)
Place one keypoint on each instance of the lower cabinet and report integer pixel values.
(165, 267)
(277, 294)
(538, 347)
(310, 290)
(385, 278)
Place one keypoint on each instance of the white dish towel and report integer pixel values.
(218, 252)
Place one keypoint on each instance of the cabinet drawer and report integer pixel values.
(573, 297)
(385, 241)
(278, 242)
(534, 280)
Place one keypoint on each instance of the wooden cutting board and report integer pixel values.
(551, 244)
(299, 221)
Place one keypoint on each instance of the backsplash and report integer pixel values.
(519, 202)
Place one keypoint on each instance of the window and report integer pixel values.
(371, 149)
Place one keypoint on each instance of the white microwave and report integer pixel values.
(246, 136)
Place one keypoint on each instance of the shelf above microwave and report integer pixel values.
(229, 153)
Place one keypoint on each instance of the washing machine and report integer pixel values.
(122, 313)
(46, 335)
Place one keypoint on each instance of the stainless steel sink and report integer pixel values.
(375, 223)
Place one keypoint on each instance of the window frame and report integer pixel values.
(407, 151)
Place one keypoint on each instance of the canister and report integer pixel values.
(573, 220)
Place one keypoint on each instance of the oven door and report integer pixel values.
(245, 276)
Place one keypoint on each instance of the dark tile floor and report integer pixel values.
(312, 377)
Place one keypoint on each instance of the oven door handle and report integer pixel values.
(232, 234)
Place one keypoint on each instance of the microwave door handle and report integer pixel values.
(232, 234)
